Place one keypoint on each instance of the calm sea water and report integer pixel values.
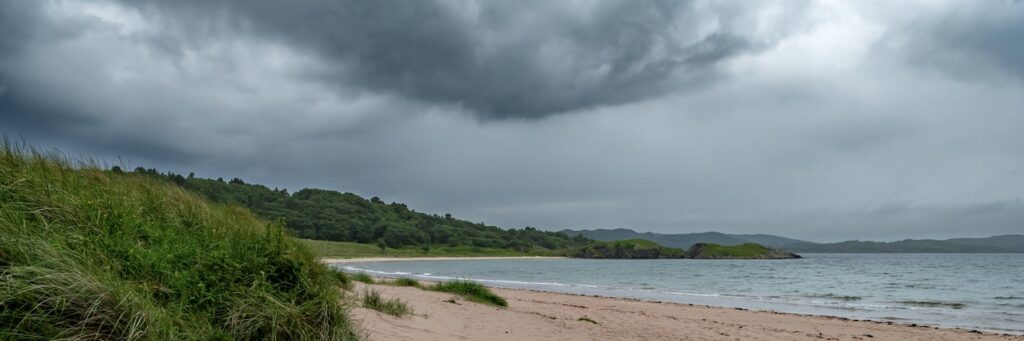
(981, 291)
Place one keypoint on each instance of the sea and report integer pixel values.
(974, 291)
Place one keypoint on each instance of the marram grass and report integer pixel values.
(372, 299)
(470, 291)
(90, 254)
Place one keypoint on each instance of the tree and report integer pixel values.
(116, 169)
(382, 245)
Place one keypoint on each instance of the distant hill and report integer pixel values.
(685, 240)
(627, 249)
(645, 249)
(1004, 243)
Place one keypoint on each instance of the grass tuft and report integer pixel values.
(584, 318)
(395, 307)
(405, 282)
(361, 277)
(471, 291)
(342, 279)
(92, 254)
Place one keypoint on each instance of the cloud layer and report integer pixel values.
(822, 120)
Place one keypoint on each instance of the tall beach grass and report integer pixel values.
(92, 254)
(471, 291)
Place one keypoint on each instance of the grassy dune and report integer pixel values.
(89, 254)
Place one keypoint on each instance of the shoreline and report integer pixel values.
(408, 259)
(1016, 335)
(543, 315)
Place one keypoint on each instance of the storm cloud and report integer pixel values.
(499, 60)
(823, 120)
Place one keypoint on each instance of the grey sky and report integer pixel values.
(822, 120)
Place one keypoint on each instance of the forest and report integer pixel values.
(335, 216)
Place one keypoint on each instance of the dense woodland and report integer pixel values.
(331, 215)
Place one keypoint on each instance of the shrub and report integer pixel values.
(342, 279)
(361, 277)
(373, 300)
(406, 282)
(471, 291)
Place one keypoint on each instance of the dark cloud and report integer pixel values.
(978, 39)
(523, 59)
(767, 117)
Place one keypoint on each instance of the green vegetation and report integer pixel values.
(329, 249)
(93, 254)
(742, 251)
(645, 249)
(361, 277)
(584, 318)
(395, 307)
(471, 291)
(329, 215)
(342, 278)
(1004, 243)
(405, 282)
(626, 249)
(684, 240)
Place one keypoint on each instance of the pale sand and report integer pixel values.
(406, 259)
(533, 315)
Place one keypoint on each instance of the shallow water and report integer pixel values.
(980, 291)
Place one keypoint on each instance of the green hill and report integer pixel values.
(742, 251)
(683, 240)
(345, 217)
(90, 254)
(626, 249)
(1004, 243)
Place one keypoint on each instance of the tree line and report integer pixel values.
(336, 216)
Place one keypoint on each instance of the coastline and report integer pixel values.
(407, 259)
(542, 315)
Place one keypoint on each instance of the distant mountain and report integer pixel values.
(1004, 243)
(684, 241)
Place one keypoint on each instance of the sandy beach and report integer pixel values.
(533, 315)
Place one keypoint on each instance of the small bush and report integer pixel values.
(361, 277)
(373, 300)
(342, 278)
(406, 282)
(471, 291)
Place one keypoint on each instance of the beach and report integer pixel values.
(536, 315)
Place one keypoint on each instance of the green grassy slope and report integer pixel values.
(89, 254)
(329, 249)
(626, 249)
(346, 217)
(742, 251)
